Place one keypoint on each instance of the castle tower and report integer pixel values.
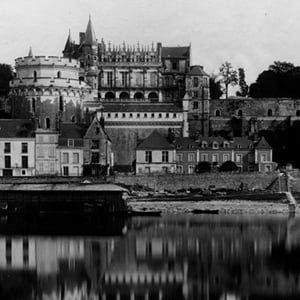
(90, 57)
(47, 89)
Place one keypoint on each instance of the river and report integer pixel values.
(157, 258)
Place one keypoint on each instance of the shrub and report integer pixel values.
(228, 166)
(203, 166)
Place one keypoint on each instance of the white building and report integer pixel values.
(17, 148)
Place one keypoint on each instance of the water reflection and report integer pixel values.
(158, 258)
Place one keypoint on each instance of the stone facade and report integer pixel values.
(48, 89)
(246, 116)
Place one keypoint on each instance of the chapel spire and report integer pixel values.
(90, 37)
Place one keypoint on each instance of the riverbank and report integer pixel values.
(229, 207)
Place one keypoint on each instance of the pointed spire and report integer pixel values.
(30, 52)
(90, 37)
(69, 45)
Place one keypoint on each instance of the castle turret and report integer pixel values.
(30, 52)
(69, 47)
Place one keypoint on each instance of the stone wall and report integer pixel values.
(251, 115)
(219, 180)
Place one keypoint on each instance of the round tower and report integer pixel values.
(47, 89)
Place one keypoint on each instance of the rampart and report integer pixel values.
(46, 60)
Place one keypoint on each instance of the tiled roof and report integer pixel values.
(155, 141)
(175, 51)
(197, 70)
(263, 144)
(72, 131)
(141, 107)
(184, 143)
(16, 128)
(235, 143)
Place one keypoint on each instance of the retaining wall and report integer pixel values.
(220, 180)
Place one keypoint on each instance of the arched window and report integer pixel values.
(110, 95)
(138, 96)
(270, 113)
(33, 105)
(195, 81)
(73, 119)
(58, 74)
(298, 113)
(153, 97)
(34, 76)
(47, 123)
(240, 113)
(218, 113)
(124, 96)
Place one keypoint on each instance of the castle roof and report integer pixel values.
(197, 70)
(175, 51)
(155, 141)
(16, 128)
(90, 36)
(263, 144)
(142, 107)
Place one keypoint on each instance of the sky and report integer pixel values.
(248, 33)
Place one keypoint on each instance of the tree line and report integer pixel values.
(280, 80)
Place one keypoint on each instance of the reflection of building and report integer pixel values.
(159, 259)
(17, 253)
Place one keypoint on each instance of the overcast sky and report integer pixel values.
(248, 33)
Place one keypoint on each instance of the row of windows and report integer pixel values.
(240, 113)
(191, 157)
(8, 165)
(58, 75)
(66, 158)
(139, 115)
(7, 147)
(215, 157)
(137, 96)
(164, 156)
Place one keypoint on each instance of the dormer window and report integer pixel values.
(238, 146)
(190, 146)
(215, 145)
(251, 146)
(204, 144)
(226, 144)
(70, 143)
(178, 146)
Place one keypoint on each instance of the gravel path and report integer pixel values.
(225, 207)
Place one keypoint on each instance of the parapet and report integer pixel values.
(46, 61)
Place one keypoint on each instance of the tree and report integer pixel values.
(229, 76)
(215, 88)
(6, 75)
(280, 80)
(228, 166)
(281, 66)
(242, 83)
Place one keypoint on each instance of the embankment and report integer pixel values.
(174, 182)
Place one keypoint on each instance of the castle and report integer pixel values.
(135, 89)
